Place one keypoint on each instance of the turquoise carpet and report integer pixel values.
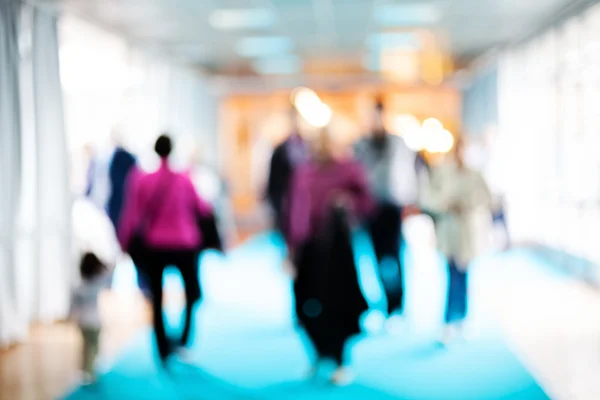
(246, 346)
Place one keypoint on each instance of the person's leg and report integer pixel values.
(188, 267)
(461, 293)
(376, 231)
(450, 313)
(143, 280)
(395, 251)
(155, 270)
(342, 374)
(452, 292)
(386, 236)
(90, 350)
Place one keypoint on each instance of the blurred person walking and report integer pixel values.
(392, 171)
(327, 195)
(121, 164)
(95, 277)
(160, 228)
(284, 161)
(107, 184)
(460, 198)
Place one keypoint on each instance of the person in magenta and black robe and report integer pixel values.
(327, 195)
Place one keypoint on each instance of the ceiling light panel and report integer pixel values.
(393, 40)
(239, 19)
(260, 46)
(409, 14)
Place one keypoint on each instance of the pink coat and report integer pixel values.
(176, 205)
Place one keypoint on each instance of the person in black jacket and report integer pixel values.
(121, 164)
(286, 157)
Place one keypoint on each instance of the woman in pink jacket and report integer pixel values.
(162, 210)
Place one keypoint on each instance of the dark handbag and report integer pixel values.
(211, 239)
(138, 248)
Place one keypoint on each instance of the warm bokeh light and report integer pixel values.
(405, 124)
(311, 108)
(415, 140)
(439, 141)
(432, 124)
(409, 127)
(431, 136)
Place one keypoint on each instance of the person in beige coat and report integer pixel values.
(460, 199)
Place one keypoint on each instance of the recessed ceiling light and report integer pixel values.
(278, 65)
(411, 14)
(393, 40)
(232, 19)
(261, 46)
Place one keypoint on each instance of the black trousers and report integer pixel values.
(186, 261)
(385, 228)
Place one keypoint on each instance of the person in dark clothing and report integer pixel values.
(164, 209)
(393, 176)
(326, 196)
(121, 164)
(285, 159)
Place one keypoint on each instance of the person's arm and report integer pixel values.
(483, 195)
(75, 306)
(362, 199)
(273, 179)
(434, 195)
(298, 212)
(203, 207)
(91, 172)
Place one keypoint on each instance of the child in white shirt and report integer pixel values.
(95, 277)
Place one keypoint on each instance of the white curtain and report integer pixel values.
(55, 264)
(36, 261)
(12, 327)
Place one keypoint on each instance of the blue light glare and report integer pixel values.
(393, 40)
(407, 15)
(261, 46)
(235, 19)
(286, 65)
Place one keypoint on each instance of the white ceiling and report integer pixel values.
(323, 30)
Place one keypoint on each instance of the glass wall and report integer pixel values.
(548, 96)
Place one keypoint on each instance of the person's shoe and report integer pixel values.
(341, 377)
(447, 336)
(395, 324)
(185, 355)
(312, 372)
(88, 379)
(452, 332)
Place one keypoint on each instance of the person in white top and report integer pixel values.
(95, 277)
(460, 200)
